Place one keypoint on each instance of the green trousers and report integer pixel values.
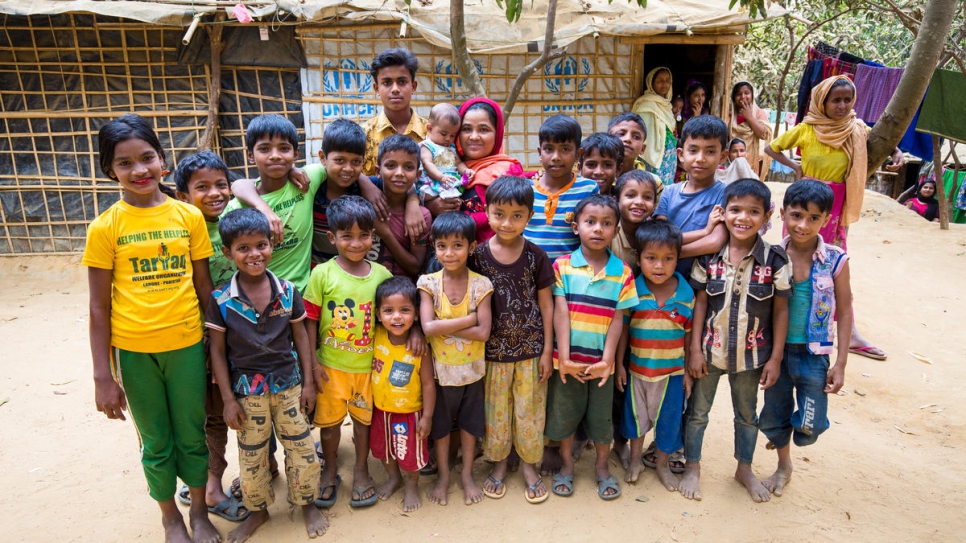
(166, 399)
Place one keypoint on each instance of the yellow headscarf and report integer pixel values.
(656, 112)
(849, 134)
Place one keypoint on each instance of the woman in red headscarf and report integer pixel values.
(480, 145)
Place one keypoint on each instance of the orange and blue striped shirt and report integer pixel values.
(657, 333)
(593, 301)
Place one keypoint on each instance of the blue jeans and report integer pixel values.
(803, 374)
(744, 400)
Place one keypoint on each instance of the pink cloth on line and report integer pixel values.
(834, 66)
(874, 87)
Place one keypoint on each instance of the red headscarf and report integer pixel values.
(496, 163)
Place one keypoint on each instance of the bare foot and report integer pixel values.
(690, 482)
(471, 492)
(633, 470)
(387, 489)
(315, 522)
(438, 493)
(411, 501)
(175, 531)
(248, 527)
(776, 483)
(747, 477)
(668, 479)
(551, 461)
(623, 450)
(202, 528)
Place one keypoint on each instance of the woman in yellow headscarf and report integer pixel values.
(654, 107)
(750, 123)
(833, 143)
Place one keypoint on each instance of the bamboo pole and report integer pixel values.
(216, 45)
(940, 186)
(718, 87)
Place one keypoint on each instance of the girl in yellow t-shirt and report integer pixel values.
(833, 143)
(147, 259)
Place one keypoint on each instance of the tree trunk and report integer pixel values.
(937, 169)
(922, 63)
(546, 56)
(461, 55)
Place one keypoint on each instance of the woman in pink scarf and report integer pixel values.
(480, 145)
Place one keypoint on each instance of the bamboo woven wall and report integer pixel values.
(592, 83)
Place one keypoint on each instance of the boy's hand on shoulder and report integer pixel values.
(545, 366)
(234, 415)
(697, 365)
(835, 379)
(109, 398)
(299, 178)
(307, 398)
(567, 367)
(416, 344)
(423, 427)
(601, 370)
(769, 374)
(716, 216)
(382, 229)
(620, 377)
(375, 196)
(415, 222)
(274, 222)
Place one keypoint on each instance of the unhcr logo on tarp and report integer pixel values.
(449, 84)
(347, 81)
(570, 81)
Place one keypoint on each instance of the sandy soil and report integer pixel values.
(889, 468)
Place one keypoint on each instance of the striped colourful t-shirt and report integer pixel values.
(657, 333)
(551, 226)
(593, 301)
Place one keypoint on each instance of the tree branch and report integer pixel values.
(461, 55)
(546, 56)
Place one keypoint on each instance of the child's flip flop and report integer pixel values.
(496, 493)
(228, 509)
(184, 495)
(330, 501)
(533, 488)
(360, 491)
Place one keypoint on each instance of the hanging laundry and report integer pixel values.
(834, 66)
(849, 57)
(826, 49)
(874, 88)
(944, 109)
(811, 77)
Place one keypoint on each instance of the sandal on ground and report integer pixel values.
(649, 459)
(533, 489)
(566, 481)
(869, 351)
(228, 509)
(235, 488)
(361, 491)
(497, 491)
(325, 503)
(610, 483)
(431, 468)
(184, 495)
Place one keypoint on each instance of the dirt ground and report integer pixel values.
(888, 469)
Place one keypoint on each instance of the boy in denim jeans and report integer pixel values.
(741, 299)
(820, 292)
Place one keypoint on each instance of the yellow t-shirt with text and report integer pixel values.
(154, 307)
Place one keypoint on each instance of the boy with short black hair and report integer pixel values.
(659, 332)
(398, 171)
(202, 181)
(403, 393)
(455, 308)
(339, 302)
(592, 290)
(691, 205)
(629, 127)
(742, 306)
(256, 329)
(394, 80)
(519, 352)
(601, 155)
(821, 303)
(559, 190)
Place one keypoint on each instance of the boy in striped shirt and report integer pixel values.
(558, 191)
(658, 329)
(593, 288)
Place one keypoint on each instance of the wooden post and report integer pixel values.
(214, 85)
(940, 186)
(723, 59)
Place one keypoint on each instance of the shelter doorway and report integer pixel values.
(685, 62)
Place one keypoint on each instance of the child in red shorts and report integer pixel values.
(403, 392)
